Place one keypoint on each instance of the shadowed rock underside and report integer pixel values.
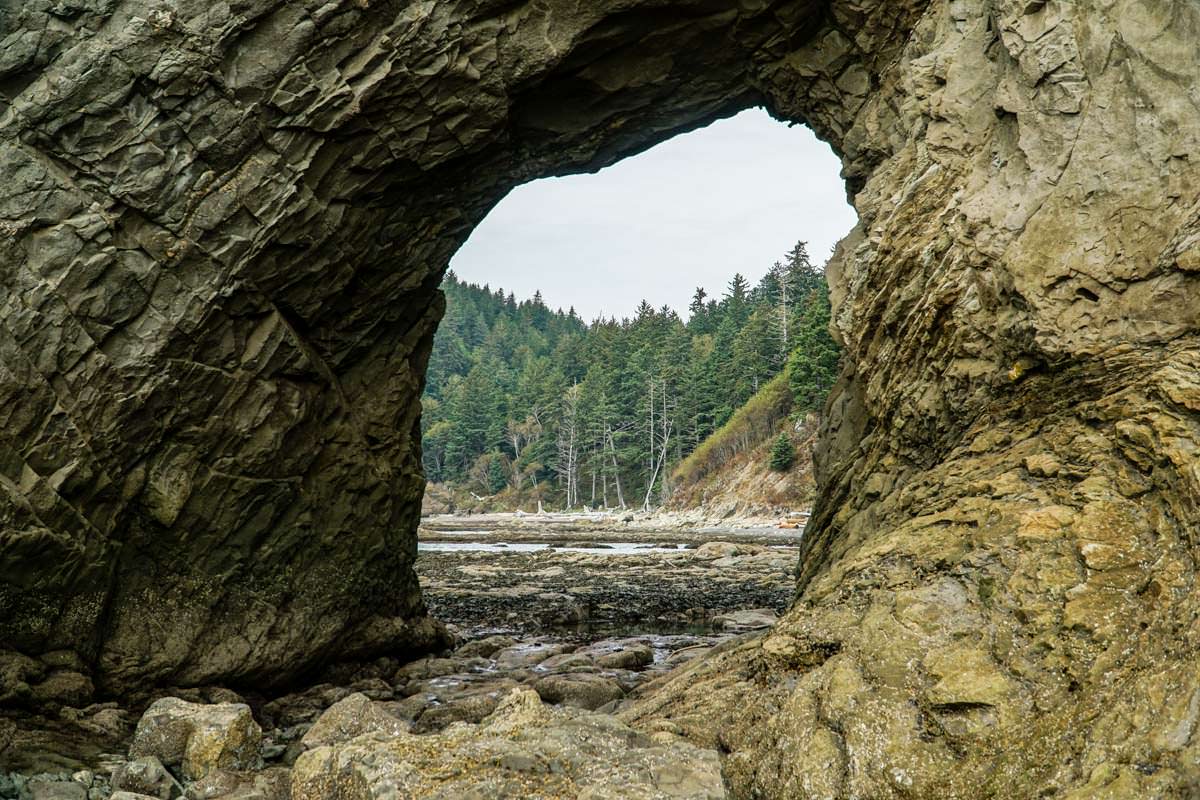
(224, 225)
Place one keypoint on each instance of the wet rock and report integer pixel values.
(619, 654)
(198, 738)
(426, 668)
(17, 672)
(523, 750)
(454, 698)
(471, 706)
(273, 783)
(350, 717)
(566, 662)
(63, 688)
(721, 550)
(580, 690)
(146, 775)
(527, 591)
(685, 655)
(374, 688)
(65, 660)
(43, 789)
(748, 620)
(527, 654)
(302, 707)
(484, 648)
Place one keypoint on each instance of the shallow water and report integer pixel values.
(600, 549)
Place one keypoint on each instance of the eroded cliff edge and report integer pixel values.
(997, 592)
(224, 227)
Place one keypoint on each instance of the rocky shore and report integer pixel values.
(600, 584)
(556, 633)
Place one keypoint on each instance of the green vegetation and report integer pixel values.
(783, 453)
(754, 421)
(532, 404)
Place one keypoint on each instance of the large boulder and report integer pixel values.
(198, 738)
(351, 716)
(579, 689)
(523, 751)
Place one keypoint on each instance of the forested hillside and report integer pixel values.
(525, 404)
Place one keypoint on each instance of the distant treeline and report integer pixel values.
(537, 404)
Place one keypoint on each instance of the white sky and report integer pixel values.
(732, 197)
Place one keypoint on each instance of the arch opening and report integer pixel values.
(601, 329)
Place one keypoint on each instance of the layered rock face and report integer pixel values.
(997, 592)
(225, 227)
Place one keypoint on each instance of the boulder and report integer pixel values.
(581, 690)
(273, 783)
(527, 654)
(484, 648)
(471, 705)
(146, 775)
(565, 662)
(523, 751)
(64, 688)
(619, 654)
(747, 620)
(351, 717)
(198, 738)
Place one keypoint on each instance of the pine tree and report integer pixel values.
(736, 303)
(698, 317)
(497, 474)
(783, 454)
(519, 395)
(813, 365)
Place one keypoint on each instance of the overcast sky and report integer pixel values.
(732, 197)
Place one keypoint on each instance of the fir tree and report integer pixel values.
(813, 365)
(783, 454)
(599, 414)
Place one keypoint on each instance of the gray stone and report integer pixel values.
(580, 690)
(523, 750)
(146, 775)
(56, 790)
(351, 717)
(747, 620)
(485, 647)
(198, 738)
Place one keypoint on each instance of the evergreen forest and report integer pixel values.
(534, 404)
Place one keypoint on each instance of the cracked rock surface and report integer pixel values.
(221, 233)
(223, 228)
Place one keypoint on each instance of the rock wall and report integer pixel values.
(225, 224)
(997, 595)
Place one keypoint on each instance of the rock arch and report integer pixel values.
(224, 228)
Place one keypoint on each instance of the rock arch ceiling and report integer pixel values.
(224, 225)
